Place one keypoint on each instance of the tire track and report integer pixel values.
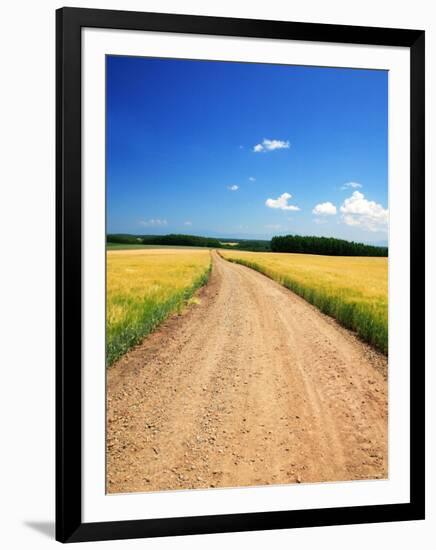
(253, 386)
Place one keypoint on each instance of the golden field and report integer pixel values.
(353, 290)
(144, 286)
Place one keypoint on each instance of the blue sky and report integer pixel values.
(246, 150)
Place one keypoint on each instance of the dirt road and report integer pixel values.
(250, 386)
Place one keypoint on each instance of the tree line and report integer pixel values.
(327, 246)
(190, 240)
(290, 243)
(168, 240)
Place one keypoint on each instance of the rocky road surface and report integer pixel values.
(250, 386)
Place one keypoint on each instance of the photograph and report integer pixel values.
(247, 252)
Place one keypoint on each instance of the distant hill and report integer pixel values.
(253, 245)
(383, 244)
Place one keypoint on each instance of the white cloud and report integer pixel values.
(233, 187)
(281, 202)
(324, 209)
(153, 222)
(352, 185)
(271, 145)
(251, 178)
(360, 212)
(187, 223)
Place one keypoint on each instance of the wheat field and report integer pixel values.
(353, 290)
(144, 287)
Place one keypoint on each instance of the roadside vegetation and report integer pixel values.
(353, 290)
(144, 287)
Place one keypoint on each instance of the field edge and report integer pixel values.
(348, 315)
(146, 325)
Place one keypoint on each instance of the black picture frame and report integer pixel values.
(69, 525)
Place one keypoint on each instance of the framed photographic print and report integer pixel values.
(240, 274)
